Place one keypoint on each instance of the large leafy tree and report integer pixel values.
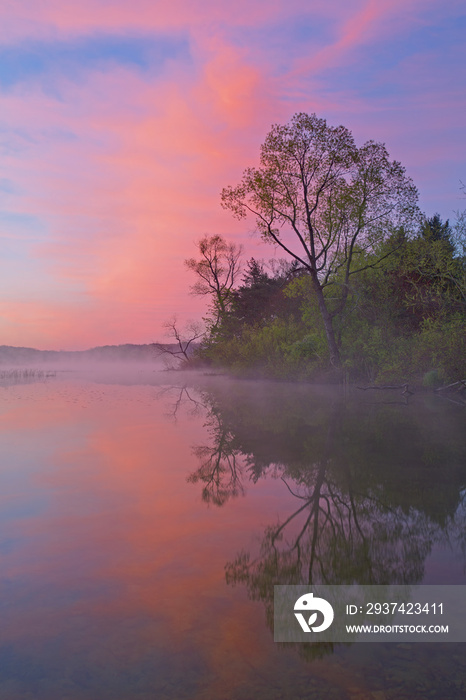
(326, 203)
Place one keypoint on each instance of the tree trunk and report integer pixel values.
(328, 325)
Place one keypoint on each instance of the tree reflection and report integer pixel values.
(220, 472)
(374, 486)
(335, 535)
(178, 397)
(221, 463)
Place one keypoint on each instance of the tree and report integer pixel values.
(181, 348)
(434, 229)
(325, 202)
(260, 297)
(216, 271)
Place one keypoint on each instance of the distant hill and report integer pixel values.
(10, 355)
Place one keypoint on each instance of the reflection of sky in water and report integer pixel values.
(112, 568)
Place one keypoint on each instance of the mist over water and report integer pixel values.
(146, 516)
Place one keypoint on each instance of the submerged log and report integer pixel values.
(405, 388)
(460, 385)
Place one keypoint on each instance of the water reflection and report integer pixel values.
(122, 502)
(375, 486)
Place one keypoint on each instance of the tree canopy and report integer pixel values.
(325, 202)
(216, 271)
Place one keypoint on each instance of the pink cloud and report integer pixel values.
(127, 198)
(49, 17)
(368, 21)
(125, 172)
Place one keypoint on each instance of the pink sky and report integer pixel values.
(121, 122)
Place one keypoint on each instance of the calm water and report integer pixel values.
(146, 518)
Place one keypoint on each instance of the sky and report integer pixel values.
(121, 122)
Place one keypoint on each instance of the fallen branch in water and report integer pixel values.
(405, 388)
(460, 385)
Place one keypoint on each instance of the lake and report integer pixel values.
(146, 516)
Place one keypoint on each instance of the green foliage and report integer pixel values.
(322, 200)
(404, 319)
(432, 379)
(276, 350)
(442, 343)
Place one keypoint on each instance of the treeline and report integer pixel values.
(404, 319)
(371, 288)
(128, 352)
